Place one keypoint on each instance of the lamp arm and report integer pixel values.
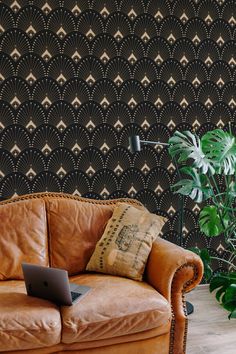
(153, 142)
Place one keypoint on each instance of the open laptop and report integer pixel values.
(52, 284)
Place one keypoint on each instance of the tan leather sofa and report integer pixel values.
(119, 315)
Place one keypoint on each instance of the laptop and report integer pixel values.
(52, 284)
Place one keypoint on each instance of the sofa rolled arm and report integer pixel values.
(168, 261)
(173, 271)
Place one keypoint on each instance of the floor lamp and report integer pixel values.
(135, 146)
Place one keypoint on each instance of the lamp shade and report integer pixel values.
(134, 143)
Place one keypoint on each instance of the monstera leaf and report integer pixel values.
(184, 146)
(196, 187)
(210, 222)
(220, 147)
(226, 293)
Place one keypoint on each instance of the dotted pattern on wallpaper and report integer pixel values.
(79, 77)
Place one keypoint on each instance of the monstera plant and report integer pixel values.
(208, 176)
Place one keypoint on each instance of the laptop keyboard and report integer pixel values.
(74, 295)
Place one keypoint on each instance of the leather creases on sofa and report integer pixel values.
(119, 315)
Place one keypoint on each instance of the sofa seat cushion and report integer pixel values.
(114, 307)
(26, 322)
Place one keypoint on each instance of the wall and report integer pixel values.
(79, 77)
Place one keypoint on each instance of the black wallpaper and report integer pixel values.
(78, 77)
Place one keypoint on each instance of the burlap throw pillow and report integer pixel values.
(126, 242)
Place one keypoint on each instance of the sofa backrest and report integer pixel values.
(74, 229)
(23, 237)
(53, 229)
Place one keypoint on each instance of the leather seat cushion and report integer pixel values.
(26, 322)
(114, 307)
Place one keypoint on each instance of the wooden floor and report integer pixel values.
(209, 330)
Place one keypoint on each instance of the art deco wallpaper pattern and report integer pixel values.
(78, 77)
